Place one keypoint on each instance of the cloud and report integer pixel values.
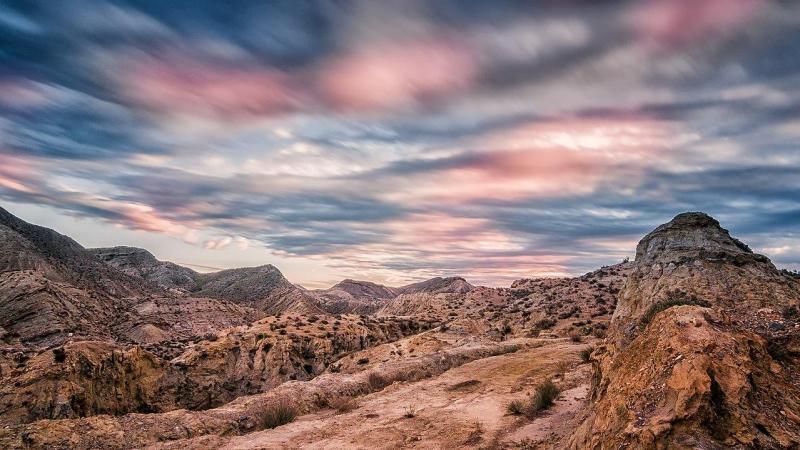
(402, 142)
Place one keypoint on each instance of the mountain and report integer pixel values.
(141, 263)
(703, 351)
(52, 289)
(263, 288)
(364, 297)
(438, 285)
(356, 297)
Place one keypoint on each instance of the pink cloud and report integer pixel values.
(15, 174)
(677, 22)
(192, 88)
(396, 75)
(473, 246)
(547, 159)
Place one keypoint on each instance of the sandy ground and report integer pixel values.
(462, 408)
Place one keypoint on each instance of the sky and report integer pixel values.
(397, 141)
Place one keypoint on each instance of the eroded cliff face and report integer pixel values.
(703, 351)
(83, 379)
(248, 360)
(88, 378)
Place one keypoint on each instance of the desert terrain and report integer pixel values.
(693, 344)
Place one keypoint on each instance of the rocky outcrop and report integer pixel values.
(693, 257)
(84, 379)
(247, 360)
(701, 355)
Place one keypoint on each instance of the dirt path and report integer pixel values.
(462, 408)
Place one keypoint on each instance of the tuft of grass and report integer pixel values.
(545, 324)
(677, 300)
(410, 412)
(278, 414)
(516, 407)
(543, 397)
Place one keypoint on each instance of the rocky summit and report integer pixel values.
(695, 344)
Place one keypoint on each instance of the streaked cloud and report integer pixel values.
(359, 139)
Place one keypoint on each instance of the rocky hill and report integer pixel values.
(263, 288)
(704, 348)
(51, 287)
(438, 285)
(363, 297)
(354, 297)
(141, 263)
(53, 290)
(87, 378)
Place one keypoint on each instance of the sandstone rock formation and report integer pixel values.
(701, 355)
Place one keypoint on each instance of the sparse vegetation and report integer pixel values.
(543, 398)
(278, 414)
(586, 354)
(545, 324)
(59, 354)
(476, 435)
(516, 407)
(677, 299)
(410, 412)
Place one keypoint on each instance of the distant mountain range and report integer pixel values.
(52, 288)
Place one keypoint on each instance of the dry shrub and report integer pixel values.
(543, 397)
(277, 414)
(516, 407)
(476, 435)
